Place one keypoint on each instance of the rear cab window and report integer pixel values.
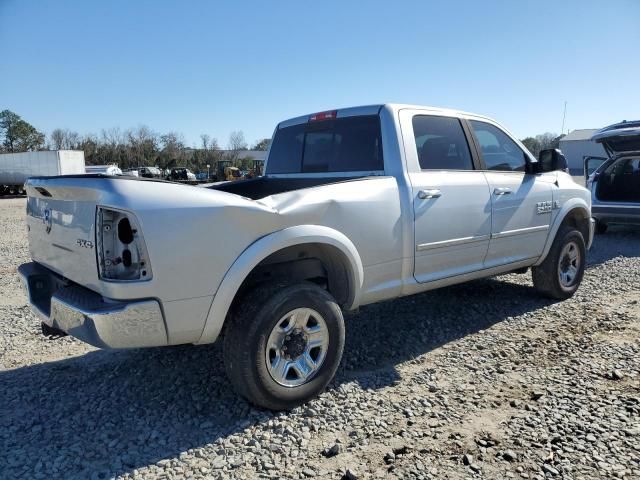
(349, 144)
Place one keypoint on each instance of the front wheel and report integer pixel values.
(284, 344)
(560, 274)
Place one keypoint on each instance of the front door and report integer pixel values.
(521, 203)
(451, 200)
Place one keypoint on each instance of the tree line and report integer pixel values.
(542, 142)
(139, 147)
(135, 147)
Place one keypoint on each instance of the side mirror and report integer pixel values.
(551, 160)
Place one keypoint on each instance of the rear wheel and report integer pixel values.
(560, 274)
(284, 344)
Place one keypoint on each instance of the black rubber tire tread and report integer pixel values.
(249, 329)
(601, 227)
(545, 276)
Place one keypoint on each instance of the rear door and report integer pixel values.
(451, 201)
(521, 203)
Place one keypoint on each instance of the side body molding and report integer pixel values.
(569, 205)
(264, 247)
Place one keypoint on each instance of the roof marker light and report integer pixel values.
(317, 117)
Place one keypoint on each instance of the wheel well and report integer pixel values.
(319, 263)
(578, 218)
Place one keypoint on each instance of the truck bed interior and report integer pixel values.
(620, 182)
(261, 187)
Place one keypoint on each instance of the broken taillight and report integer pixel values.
(122, 253)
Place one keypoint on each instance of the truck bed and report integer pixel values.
(261, 187)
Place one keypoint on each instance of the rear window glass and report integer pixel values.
(624, 144)
(351, 144)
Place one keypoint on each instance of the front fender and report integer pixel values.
(264, 247)
(567, 207)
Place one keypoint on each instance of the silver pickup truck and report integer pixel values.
(356, 206)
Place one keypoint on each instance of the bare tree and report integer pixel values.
(173, 147)
(206, 139)
(73, 140)
(237, 141)
(58, 138)
(143, 146)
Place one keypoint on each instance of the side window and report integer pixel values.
(441, 143)
(498, 150)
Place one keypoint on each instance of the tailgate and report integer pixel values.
(61, 216)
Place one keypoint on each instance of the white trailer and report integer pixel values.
(15, 168)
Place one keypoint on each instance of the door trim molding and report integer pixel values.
(520, 231)
(451, 243)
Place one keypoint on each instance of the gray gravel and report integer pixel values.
(483, 380)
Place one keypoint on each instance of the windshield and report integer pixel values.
(351, 144)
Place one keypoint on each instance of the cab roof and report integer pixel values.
(375, 110)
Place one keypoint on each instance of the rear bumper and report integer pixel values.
(84, 314)
(592, 229)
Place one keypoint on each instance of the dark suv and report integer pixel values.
(149, 172)
(181, 174)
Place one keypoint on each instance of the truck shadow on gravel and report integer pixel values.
(110, 412)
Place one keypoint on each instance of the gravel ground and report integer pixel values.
(482, 380)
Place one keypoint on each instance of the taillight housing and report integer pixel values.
(121, 251)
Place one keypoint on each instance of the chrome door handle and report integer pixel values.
(426, 194)
(502, 191)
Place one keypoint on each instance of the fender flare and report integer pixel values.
(261, 249)
(567, 208)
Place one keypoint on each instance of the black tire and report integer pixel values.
(246, 337)
(601, 227)
(546, 276)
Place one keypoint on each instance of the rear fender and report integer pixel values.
(268, 245)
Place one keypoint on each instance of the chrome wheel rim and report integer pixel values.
(297, 347)
(569, 264)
